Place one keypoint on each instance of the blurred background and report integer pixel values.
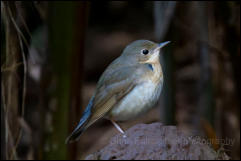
(52, 54)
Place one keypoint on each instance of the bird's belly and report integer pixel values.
(138, 101)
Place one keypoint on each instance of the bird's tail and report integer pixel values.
(81, 126)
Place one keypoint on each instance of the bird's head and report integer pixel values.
(143, 51)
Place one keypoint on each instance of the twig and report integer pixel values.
(16, 26)
(24, 76)
(11, 68)
(22, 19)
(13, 154)
(5, 117)
(20, 38)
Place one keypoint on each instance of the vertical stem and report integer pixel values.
(169, 88)
(163, 13)
(3, 132)
(60, 40)
(67, 24)
(206, 103)
(10, 81)
(80, 17)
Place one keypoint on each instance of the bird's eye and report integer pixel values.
(145, 51)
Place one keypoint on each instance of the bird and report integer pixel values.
(129, 87)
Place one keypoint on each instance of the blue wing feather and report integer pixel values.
(84, 119)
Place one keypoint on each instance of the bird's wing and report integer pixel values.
(112, 88)
(114, 84)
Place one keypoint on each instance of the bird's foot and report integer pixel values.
(124, 136)
(119, 128)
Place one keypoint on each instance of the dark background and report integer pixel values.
(53, 53)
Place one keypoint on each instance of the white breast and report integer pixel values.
(138, 101)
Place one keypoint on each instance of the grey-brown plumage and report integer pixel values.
(130, 86)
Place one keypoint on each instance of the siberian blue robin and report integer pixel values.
(129, 87)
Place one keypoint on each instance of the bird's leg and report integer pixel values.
(118, 128)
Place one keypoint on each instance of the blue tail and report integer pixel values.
(81, 126)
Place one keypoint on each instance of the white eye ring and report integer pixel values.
(145, 51)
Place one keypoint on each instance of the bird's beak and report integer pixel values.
(161, 45)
